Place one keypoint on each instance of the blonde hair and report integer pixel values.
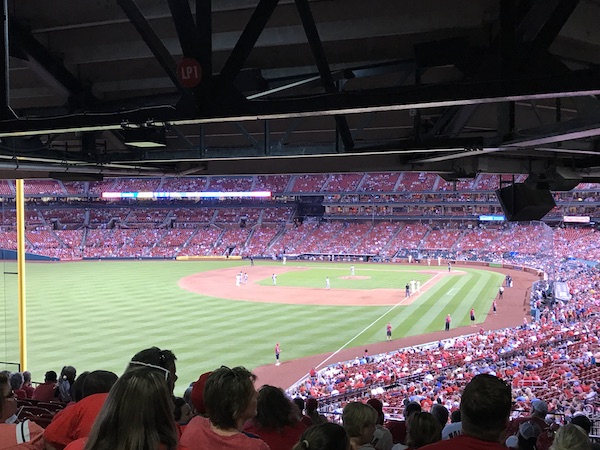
(571, 437)
(357, 416)
(422, 428)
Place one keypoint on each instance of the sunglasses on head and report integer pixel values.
(139, 363)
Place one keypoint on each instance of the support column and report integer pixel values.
(21, 273)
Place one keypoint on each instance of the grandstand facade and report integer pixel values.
(386, 216)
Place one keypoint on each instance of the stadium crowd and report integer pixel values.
(257, 237)
(405, 398)
(533, 386)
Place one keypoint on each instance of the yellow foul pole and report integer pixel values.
(21, 273)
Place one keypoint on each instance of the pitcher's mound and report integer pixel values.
(355, 277)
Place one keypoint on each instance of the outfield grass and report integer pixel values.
(96, 315)
(379, 276)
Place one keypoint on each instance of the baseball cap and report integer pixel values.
(376, 404)
(540, 406)
(197, 396)
(529, 430)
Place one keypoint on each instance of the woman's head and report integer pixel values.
(230, 397)
(156, 357)
(571, 437)
(274, 409)
(138, 413)
(8, 402)
(325, 436)
(359, 421)
(422, 428)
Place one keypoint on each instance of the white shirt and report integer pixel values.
(452, 430)
(382, 438)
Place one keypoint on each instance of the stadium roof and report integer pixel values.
(457, 87)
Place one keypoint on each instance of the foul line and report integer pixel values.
(322, 363)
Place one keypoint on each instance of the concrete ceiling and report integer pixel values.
(452, 86)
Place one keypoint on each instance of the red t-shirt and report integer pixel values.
(464, 442)
(398, 430)
(283, 439)
(79, 444)
(29, 390)
(25, 435)
(307, 421)
(45, 392)
(198, 435)
(74, 422)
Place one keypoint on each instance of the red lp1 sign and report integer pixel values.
(189, 72)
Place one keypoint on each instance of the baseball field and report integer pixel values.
(96, 315)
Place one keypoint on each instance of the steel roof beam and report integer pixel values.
(543, 22)
(572, 84)
(147, 33)
(312, 34)
(246, 43)
(53, 71)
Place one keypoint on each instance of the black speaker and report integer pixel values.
(522, 203)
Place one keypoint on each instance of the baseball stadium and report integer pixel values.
(300, 225)
(197, 277)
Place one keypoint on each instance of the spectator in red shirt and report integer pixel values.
(27, 387)
(275, 421)
(299, 402)
(230, 399)
(76, 420)
(46, 391)
(16, 384)
(485, 407)
(16, 436)
(138, 413)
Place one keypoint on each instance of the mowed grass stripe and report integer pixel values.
(429, 315)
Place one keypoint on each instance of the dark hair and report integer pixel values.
(582, 421)
(440, 412)
(137, 414)
(485, 406)
(411, 407)
(98, 382)
(156, 357)
(77, 388)
(274, 408)
(65, 383)
(227, 394)
(325, 436)
(422, 428)
(50, 376)
(26, 376)
(68, 373)
(455, 416)
(299, 402)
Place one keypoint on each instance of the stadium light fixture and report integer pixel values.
(145, 136)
